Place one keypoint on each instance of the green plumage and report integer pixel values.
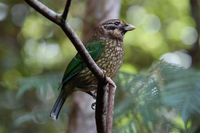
(105, 47)
(94, 48)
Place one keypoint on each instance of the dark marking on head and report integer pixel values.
(115, 28)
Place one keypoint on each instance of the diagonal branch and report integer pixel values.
(56, 18)
(66, 10)
(104, 124)
(45, 11)
(83, 51)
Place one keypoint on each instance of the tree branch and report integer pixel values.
(104, 124)
(100, 113)
(111, 99)
(66, 10)
(104, 105)
(45, 11)
(56, 18)
(82, 51)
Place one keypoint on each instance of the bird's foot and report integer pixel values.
(94, 95)
(93, 106)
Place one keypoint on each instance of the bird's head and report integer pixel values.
(114, 28)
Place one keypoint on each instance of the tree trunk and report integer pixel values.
(195, 51)
(82, 117)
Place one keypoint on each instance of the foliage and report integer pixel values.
(160, 98)
(27, 110)
(165, 98)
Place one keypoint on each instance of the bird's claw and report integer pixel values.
(93, 106)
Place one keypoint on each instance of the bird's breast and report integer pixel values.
(111, 58)
(109, 61)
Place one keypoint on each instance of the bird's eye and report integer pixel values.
(117, 23)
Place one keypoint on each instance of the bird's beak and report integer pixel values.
(129, 27)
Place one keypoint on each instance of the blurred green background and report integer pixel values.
(34, 53)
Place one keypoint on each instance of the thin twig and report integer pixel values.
(111, 99)
(66, 10)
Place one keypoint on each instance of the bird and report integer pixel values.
(106, 48)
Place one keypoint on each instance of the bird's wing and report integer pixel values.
(95, 48)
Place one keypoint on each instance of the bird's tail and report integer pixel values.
(58, 104)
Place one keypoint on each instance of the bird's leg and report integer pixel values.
(93, 106)
(93, 94)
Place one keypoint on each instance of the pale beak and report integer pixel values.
(129, 27)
